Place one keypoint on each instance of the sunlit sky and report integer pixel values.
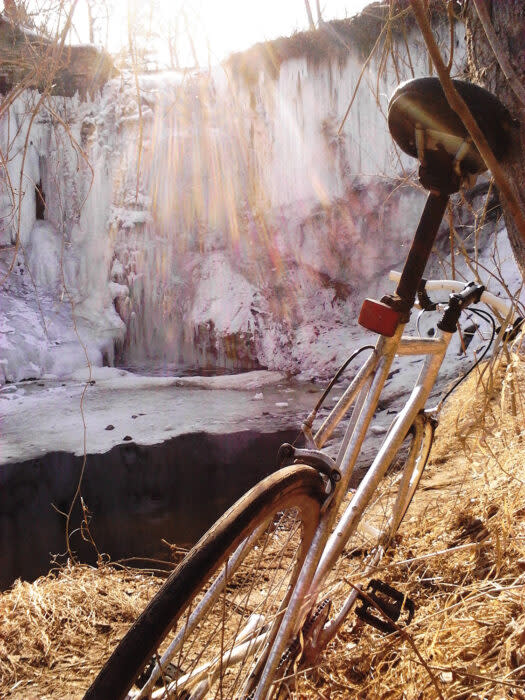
(224, 25)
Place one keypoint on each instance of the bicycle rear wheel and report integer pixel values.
(219, 610)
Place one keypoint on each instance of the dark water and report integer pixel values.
(136, 496)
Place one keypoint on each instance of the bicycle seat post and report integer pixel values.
(438, 173)
(385, 316)
(419, 253)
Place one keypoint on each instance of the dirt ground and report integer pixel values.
(460, 556)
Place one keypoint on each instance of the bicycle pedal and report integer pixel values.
(391, 602)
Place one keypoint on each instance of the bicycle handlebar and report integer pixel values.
(503, 308)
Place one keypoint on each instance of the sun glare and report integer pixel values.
(205, 31)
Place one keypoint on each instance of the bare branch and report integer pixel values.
(319, 15)
(459, 106)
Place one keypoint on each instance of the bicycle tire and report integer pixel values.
(298, 489)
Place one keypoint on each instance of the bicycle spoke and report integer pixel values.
(212, 655)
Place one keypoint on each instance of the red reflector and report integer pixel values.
(379, 317)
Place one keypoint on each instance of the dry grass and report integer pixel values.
(469, 627)
(55, 632)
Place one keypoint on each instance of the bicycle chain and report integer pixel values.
(298, 644)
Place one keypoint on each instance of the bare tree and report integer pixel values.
(17, 12)
(189, 36)
(172, 40)
(311, 22)
(319, 14)
(495, 37)
(91, 21)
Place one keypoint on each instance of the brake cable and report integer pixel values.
(329, 388)
(487, 317)
(338, 374)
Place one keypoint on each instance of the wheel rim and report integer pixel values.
(215, 658)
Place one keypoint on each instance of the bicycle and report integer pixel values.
(269, 585)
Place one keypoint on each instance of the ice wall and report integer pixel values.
(222, 214)
(56, 178)
(267, 225)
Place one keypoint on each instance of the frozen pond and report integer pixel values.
(46, 416)
(165, 456)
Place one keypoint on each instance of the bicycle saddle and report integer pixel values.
(422, 122)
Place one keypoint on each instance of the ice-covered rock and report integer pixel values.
(245, 231)
(54, 262)
(252, 181)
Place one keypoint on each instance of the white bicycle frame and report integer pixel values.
(363, 393)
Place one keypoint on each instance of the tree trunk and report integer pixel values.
(91, 23)
(508, 24)
(319, 14)
(311, 22)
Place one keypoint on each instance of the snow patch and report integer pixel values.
(120, 378)
(222, 296)
(118, 291)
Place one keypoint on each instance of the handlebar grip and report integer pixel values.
(458, 301)
(502, 308)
